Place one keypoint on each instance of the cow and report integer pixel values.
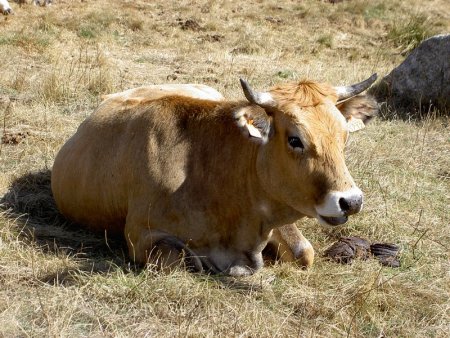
(36, 2)
(207, 181)
(286, 243)
(6, 8)
(42, 3)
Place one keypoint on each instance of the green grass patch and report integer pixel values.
(326, 40)
(408, 35)
(376, 11)
(103, 19)
(25, 40)
(285, 74)
(87, 32)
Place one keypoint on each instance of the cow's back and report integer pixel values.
(153, 92)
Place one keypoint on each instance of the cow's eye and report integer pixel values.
(295, 142)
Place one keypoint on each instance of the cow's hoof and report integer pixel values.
(239, 271)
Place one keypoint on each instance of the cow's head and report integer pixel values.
(302, 129)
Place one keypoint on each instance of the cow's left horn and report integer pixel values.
(259, 98)
(346, 92)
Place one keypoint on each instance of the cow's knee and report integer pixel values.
(287, 244)
(305, 254)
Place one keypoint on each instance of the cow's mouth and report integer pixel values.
(333, 220)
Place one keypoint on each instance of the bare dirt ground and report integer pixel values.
(56, 280)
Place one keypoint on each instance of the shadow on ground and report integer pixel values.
(29, 202)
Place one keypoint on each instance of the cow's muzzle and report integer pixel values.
(351, 205)
(338, 205)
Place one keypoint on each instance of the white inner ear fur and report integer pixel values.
(244, 119)
(239, 116)
(253, 131)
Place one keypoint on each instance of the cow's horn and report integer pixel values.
(346, 92)
(259, 98)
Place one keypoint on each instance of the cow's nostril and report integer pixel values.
(345, 206)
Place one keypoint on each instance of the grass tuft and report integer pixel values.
(408, 35)
(135, 24)
(326, 40)
(27, 41)
(87, 32)
(87, 73)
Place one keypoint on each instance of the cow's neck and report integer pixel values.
(222, 165)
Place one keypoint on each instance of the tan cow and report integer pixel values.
(286, 243)
(211, 179)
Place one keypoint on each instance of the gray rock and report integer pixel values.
(422, 79)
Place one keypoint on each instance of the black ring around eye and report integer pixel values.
(295, 142)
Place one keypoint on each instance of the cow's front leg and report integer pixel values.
(146, 246)
(287, 244)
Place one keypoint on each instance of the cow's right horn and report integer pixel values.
(346, 92)
(259, 98)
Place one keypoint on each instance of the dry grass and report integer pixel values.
(59, 281)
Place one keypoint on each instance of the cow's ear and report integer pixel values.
(254, 123)
(358, 111)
